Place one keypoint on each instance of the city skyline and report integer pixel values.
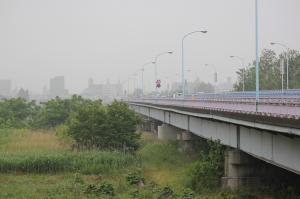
(112, 39)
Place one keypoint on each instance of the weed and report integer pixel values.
(135, 177)
(104, 188)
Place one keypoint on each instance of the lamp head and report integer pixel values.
(204, 31)
(231, 56)
(272, 43)
(170, 52)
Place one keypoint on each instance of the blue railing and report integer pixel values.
(292, 93)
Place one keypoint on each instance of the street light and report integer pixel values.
(215, 74)
(136, 78)
(155, 62)
(256, 58)
(243, 68)
(188, 70)
(182, 57)
(143, 69)
(287, 61)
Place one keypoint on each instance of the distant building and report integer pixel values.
(23, 94)
(5, 88)
(57, 87)
(107, 92)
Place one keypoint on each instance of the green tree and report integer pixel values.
(88, 126)
(122, 123)
(56, 111)
(17, 113)
(205, 174)
(95, 125)
(270, 76)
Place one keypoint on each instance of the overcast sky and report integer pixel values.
(111, 39)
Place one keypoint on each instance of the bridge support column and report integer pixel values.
(240, 169)
(167, 132)
(185, 139)
(154, 126)
(146, 125)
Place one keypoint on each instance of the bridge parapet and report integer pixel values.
(275, 107)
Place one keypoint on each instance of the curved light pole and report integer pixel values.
(155, 62)
(182, 57)
(215, 75)
(136, 77)
(287, 61)
(256, 58)
(142, 70)
(188, 70)
(243, 68)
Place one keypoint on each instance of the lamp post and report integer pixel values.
(243, 68)
(287, 61)
(256, 58)
(182, 57)
(188, 70)
(155, 62)
(136, 78)
(142, 70)
(215, 74)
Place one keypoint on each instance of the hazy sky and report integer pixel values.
(111, 39)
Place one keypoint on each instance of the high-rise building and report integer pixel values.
(107, 92)
(57, 87)
(5, 87)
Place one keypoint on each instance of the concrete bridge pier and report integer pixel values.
(184, 138)
(154, 125)
(241, 169)
(150, 125)
(167, 132)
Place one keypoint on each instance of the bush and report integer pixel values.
(104, 188)
(205, 174)
(134, 178)
(187, 194)
(111, 127)
(166, 192)
(17, 113)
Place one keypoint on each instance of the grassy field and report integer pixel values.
(41, 165)
(38, 164)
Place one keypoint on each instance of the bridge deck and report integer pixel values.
(275, 108)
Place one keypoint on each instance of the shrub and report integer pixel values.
(104, 188)
(187, 194)
(17, 113)
(97, 126)
(205, 174)
(166, 192)
(134, 178)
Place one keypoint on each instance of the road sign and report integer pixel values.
(158, 83)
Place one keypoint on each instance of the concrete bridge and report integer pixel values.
(271, 134)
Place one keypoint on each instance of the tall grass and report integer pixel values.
(42, 152)
(89, 162)
(21, 141)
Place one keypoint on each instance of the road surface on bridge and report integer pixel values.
(275, 107)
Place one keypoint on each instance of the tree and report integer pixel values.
(88, 126)
(270, 76)
(95, 125)
(56, 111)
(122, 123)
(17, 113)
